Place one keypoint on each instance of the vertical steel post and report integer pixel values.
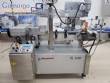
(50, 23)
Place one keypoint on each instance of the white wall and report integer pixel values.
(95, 8)
(60, 4)
(101, 9)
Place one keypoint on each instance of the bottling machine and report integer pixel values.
(69, 57)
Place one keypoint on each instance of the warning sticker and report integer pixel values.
(13, 63)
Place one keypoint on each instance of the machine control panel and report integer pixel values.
(22, 48)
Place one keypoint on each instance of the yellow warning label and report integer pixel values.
(13, 63)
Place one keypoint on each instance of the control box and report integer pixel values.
(22, 48)
(22, 62)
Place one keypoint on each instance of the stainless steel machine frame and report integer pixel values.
(64, 59)
(50, 58)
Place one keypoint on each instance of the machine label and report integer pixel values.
(13, 63)
(78, 58)
(46, 58)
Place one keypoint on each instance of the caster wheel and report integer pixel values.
(83, 75)
(37, 46)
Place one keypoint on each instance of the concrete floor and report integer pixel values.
(99, 68)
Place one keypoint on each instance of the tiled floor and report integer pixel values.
(99, 68)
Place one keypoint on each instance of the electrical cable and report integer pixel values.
(92, 46)
(59, 16)
(86, 43)
(78, 10)
(77, 13)
(98, 41)
(74, 17)
(95, 48)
